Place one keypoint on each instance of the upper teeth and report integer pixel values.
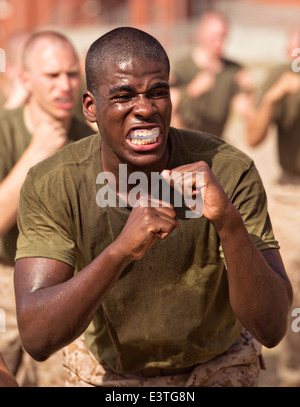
(144, 134)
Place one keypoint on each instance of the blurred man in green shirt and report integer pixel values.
(29, 134)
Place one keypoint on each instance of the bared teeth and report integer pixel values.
(64, 100)
(144, 141)
(144, 134)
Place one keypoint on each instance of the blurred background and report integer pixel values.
(257, 39)
(257, 34)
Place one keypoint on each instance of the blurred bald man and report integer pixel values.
(28, 135)
(205, 84)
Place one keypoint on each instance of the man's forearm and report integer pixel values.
(260, 293)
(52, 316)
(10, 188)
(257, 128)
(54, 307)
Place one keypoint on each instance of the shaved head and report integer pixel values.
(116, 46)
(51, 74)
(210, 16)
(39, 41)
(212, 32)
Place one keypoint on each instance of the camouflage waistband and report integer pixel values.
(239, 366)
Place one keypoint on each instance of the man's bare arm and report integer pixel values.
(54, 307)
(288, 83)
(47, 138)
(259, 290)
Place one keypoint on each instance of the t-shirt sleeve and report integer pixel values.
(250, 199)
(44, 226)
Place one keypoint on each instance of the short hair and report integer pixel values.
(118, 45)
(49, 34)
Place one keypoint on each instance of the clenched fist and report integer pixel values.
(144, 226)
(201, 190)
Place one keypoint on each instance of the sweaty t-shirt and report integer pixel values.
(171, 308)
(14, 139)
(208, 112)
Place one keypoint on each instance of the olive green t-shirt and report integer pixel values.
(209, 112)
(287, 119)
(171, 308)
(14, 139)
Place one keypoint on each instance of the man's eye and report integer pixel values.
(123, 97)
(52, 75)
(74, 75)
(160, 94)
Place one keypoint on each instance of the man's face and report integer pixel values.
(53, 78)
(213, 36)
(133, 110)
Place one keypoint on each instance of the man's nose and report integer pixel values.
(64, 82)
(144, 107)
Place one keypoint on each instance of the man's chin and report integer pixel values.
(148, 162)
(62, 114)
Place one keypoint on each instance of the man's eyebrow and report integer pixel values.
(122, 88)
(58, 71)
(160, 85)
(131, 89)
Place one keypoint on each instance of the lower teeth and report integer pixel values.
(142, 142)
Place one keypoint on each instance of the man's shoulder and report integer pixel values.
(183, 64)
(197, 145)
(12, 127)
(11, 114)
(272, 76)
(67, 160)
(281, 68)
(79, 129)
(276, 71)
(232, 65)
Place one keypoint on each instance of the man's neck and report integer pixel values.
(122, 178)
(205, 60)
(34, 115)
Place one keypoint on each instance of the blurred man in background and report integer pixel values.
(279, 105)
(206, 85)
(28, 135)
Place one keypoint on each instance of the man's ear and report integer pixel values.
(89, 106)
(25, 79)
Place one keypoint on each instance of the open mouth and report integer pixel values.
(66, 102)
(144, 136)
